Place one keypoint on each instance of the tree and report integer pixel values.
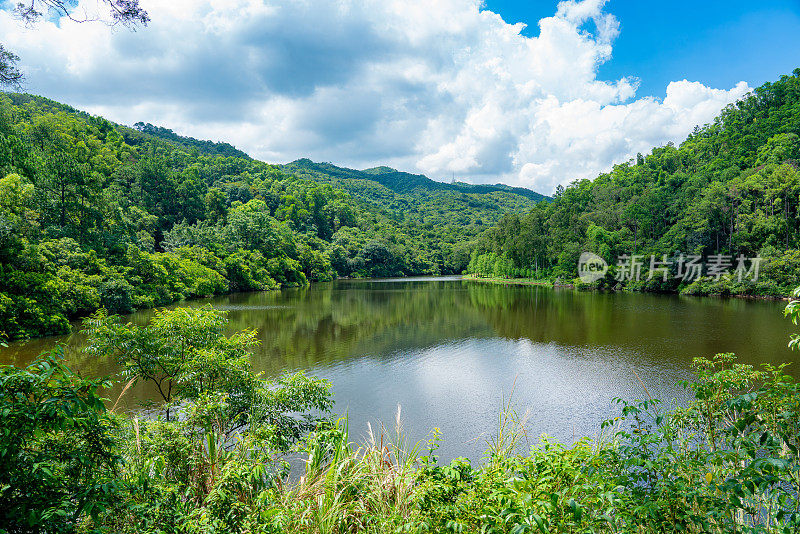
(186, 355)
(10, 75)
(126, 12)
(216, 203)
(64, 182)
(16, 196)
(157, 187)
(251, 227)
(378, 259)
(58, 459)
(168, 350)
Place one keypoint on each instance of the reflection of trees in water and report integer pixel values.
(650, 327)
(328, 325)
(332, 323)
(547, 315)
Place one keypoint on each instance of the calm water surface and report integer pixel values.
(449, 351)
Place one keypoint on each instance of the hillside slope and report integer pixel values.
(95, 214)
(419, 201)
(401, 182)
(732, 188)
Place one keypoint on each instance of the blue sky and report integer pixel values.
(717, 43)
(445, 88)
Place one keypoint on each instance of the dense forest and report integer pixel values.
(731, 188)
(94, 214)
(99, 215)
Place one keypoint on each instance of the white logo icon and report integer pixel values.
(591, 267)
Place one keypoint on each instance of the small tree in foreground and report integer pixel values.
(221, 443)
(192, 363)
(58, 457)
(182, 352)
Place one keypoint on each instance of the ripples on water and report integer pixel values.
(450, 351)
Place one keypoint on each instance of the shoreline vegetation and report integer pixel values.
(579, 286)
(96, 215)
(731, 190)
(508, 281)
(213, 456)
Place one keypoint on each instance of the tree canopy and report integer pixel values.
(732, 188)
(95, 214)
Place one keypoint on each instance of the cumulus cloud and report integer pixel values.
(440, 87)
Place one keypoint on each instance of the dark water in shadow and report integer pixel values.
(450, 351)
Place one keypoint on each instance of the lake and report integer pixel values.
(449, 352)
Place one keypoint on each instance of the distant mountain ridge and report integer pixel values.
(399, 195)
(214, 148)
(397, 181)
(404, 182)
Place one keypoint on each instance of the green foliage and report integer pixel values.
(732, 187)
(186, 355)
(222, 149)
(94, 214)
(182, 352)
(59, 459)
(212, 466)
(491, 265)
(792, 311)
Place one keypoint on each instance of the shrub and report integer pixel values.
(58, 457)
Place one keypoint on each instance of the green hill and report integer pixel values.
(732, 188)
(95, 214)
(206, 147)
(401, 182)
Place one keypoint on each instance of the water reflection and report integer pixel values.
(449, 351)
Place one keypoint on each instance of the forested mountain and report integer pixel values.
(397, 181)
(731, 188)
(413, 199)
(93, 214)
(207, 147)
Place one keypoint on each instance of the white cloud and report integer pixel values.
(435, 87)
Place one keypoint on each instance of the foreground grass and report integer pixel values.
(717, 465)
(213, 457)
(386, 486)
